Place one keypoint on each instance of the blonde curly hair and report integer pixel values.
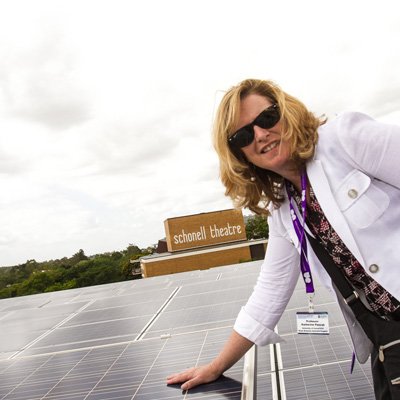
(300, 130)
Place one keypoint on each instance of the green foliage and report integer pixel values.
(72, 284)
(67, 273)
(132, 250)
(36, 283)
(256, 227)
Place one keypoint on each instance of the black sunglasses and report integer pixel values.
(266, 119)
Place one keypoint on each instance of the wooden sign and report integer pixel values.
(204, 229)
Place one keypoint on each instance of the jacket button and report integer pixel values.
(352, 193)
(373, 268)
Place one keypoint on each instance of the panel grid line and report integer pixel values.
(25, 379)
(198, 359)
(148, 371)
(65, 375)
(105, 373)
(157, 314)
(48, 332)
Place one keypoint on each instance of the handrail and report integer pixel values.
(249, 382)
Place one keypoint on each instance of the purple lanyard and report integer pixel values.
(300, 232)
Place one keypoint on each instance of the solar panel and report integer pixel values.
(312, 367)
(121, 340)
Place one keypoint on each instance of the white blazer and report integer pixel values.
(356, 179)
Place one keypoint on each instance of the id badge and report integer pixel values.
(315, 323)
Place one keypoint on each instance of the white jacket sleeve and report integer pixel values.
(373, 146)
(275, 285)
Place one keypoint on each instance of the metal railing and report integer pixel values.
(249, 382)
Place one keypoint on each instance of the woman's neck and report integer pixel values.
(291, 170)
(293, 176)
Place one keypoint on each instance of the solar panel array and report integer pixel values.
(312, 367)
(121, 340)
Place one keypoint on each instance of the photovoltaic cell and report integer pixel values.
(318, 366)
(88, 350)
(331, 381)
(85, 344)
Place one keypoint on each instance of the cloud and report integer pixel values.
(10, 165)
(383, 99)
(133, 144)
(39, 82)
(106, 108)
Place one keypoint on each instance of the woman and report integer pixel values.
(277, 158)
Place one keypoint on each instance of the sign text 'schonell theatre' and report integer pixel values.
(213, 232)
(204, 229)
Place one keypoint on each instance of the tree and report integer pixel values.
(36, 283)
(256, 227)
(67, 273)
(132, 250)
(79, 256)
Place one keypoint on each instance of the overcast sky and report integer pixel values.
(106, 107)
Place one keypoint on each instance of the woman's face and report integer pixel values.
(268, 150)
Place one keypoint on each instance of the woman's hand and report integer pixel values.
(233, 350)
(194, 376)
